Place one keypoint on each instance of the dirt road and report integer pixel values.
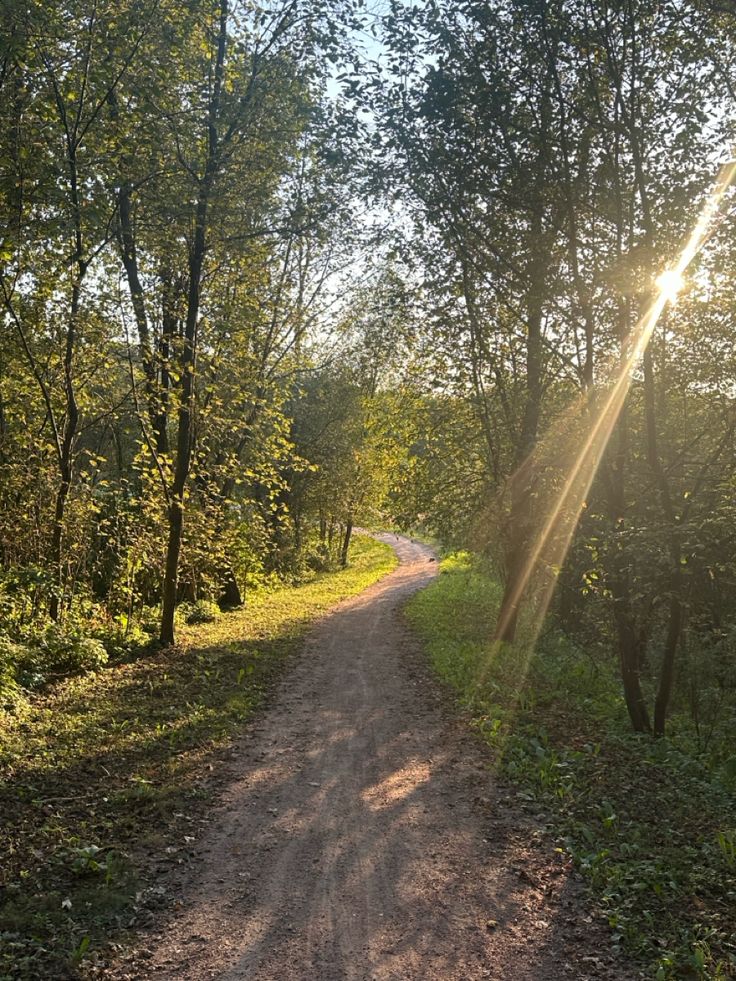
(363, 837)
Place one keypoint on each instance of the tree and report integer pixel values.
(554, 154)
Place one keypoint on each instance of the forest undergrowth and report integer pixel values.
(106, 779)
(650, 823)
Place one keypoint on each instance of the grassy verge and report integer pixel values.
(109, 776)
(651, 830)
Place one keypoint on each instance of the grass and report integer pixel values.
(652, 830)
(107, 778)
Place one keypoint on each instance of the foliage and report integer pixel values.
(203, 611)
(11, 656)
(552, 158)
(259, 285)
(109, 777)
(168, 206)
(53, 654)
(61, 652)
(649, 825)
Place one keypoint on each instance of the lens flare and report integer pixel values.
(670, 283)
(579, 440)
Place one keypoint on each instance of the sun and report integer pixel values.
(670, 283)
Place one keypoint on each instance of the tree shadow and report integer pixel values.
(366, 837)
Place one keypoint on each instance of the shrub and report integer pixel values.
(58, 652)
(203, 611)
(122, 637)
(11, 654)
(72, 653)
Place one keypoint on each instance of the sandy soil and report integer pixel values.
(363, 836)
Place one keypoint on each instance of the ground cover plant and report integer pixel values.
(270, 271)
(108, 776)
(650, 823)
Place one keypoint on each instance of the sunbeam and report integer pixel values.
(600, 411)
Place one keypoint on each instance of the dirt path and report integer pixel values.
(362, 837)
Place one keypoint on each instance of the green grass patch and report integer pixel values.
(650, 827)
(109, 775)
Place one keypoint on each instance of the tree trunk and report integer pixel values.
(184, 442)
(176, 525)
(508, 613)
(346, 543)
(675, 616)
(631, 642)
(56, 548)
(230, 595)
(66, 454)
(520, 524)
(297, 519)
(667, 669)
(184, 436)
(631, 657)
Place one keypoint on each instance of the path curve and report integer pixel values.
(362, 837)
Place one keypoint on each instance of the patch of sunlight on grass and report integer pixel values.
(103, 759)
(643, 821)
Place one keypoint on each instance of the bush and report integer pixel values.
(23, 595)
(203, 611)
(11, 654)
(56, 653)
(71, 653)
(149, 620)
(121, 637)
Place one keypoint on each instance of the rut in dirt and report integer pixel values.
(363, 838)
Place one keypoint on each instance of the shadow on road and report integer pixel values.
(363, 836)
